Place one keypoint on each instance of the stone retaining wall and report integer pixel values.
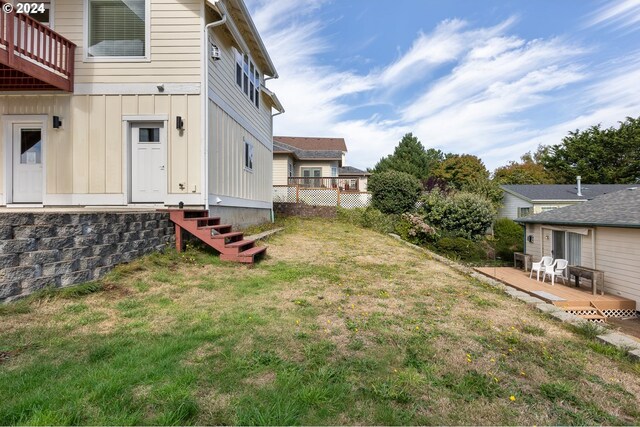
(61, 249)
(304, 210)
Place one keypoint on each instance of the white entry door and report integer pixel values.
(148, 175)
(27, 176)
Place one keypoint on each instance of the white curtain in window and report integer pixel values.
(574, 248)
(117, 28)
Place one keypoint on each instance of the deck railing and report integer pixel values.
(32, 48)
(344, 183)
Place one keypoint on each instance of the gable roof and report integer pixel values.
(313, 144)
(350, 170)
(555, 192)
(282, 148)
(617, 209)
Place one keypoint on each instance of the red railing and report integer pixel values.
(34, 49)
(344, 183)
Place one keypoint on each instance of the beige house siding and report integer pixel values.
(324, 165)
(281, 169)
(227, 176)
(510, 205)
(617, 252)
(175, 44)
(85, 156)
(618, 255)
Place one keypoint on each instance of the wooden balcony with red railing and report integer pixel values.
(344, 183)
(33, 56)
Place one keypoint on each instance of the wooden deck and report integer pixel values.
(560, 294)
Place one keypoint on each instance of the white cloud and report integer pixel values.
(619, 14)
(493, 86)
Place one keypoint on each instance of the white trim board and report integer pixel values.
(217, 99)
(228, 201)
(136, 88)
(83, 199)
(149, 118)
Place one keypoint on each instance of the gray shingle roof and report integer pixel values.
(618, 209)
(350, 170)
(562, 192)
(280, 147)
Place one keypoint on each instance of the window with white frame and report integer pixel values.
(334, 171)
(522, 212)
(117, 29)
(290, 168)
(248, 155)
(248, 78)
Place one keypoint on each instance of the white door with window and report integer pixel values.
(27, 175)
(148, 175)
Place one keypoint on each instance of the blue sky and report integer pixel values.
(490, 78)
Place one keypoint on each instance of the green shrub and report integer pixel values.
(508, 238)
(460, 214)
(459, 247)
(368, 218)
(394, 192)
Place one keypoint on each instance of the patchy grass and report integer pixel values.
(338, 325)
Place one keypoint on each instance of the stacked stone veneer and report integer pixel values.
(61, 249)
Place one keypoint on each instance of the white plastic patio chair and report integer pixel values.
(556, 269)
(540, 266)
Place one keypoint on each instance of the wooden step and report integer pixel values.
(204, 220)
(579, 308)
(240, 243)
(219, 228)
(252, 252)
(232, 235)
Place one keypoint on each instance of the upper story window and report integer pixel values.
(43, 14)
(117, 29)
(522, 212)
(248, 78)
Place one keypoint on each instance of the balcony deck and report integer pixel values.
(33, 56)
(560, 295)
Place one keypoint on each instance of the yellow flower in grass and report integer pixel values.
(512, 398)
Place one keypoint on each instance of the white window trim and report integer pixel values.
(246, 144)
(117, 59)
(257, 89)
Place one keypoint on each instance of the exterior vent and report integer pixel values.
(214, 51)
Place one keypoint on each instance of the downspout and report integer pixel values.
(593, 249)
(206, 104)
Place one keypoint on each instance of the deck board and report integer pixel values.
(572, 296)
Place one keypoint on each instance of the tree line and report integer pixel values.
(599, 155)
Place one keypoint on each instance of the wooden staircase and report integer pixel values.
(589, 312)
(231, 244)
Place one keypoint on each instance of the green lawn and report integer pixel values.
(339, 325)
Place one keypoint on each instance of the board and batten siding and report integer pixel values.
(175, 44)
(228, 95)
(281, 169)
(85, 156)
(227, 174)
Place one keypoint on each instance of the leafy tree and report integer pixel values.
(394, 192)
(410, 157)
(460, 170)
(605, 156)
(508, 238)
(486, 188)
(527, 171)
(462, 214)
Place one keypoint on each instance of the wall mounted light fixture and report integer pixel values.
(57, 122)
(179, 123)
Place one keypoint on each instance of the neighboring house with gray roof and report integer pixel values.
(315, 162)
(522, 200)
(602, 233)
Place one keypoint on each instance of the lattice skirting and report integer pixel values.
(582, 312)
(620, 313)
